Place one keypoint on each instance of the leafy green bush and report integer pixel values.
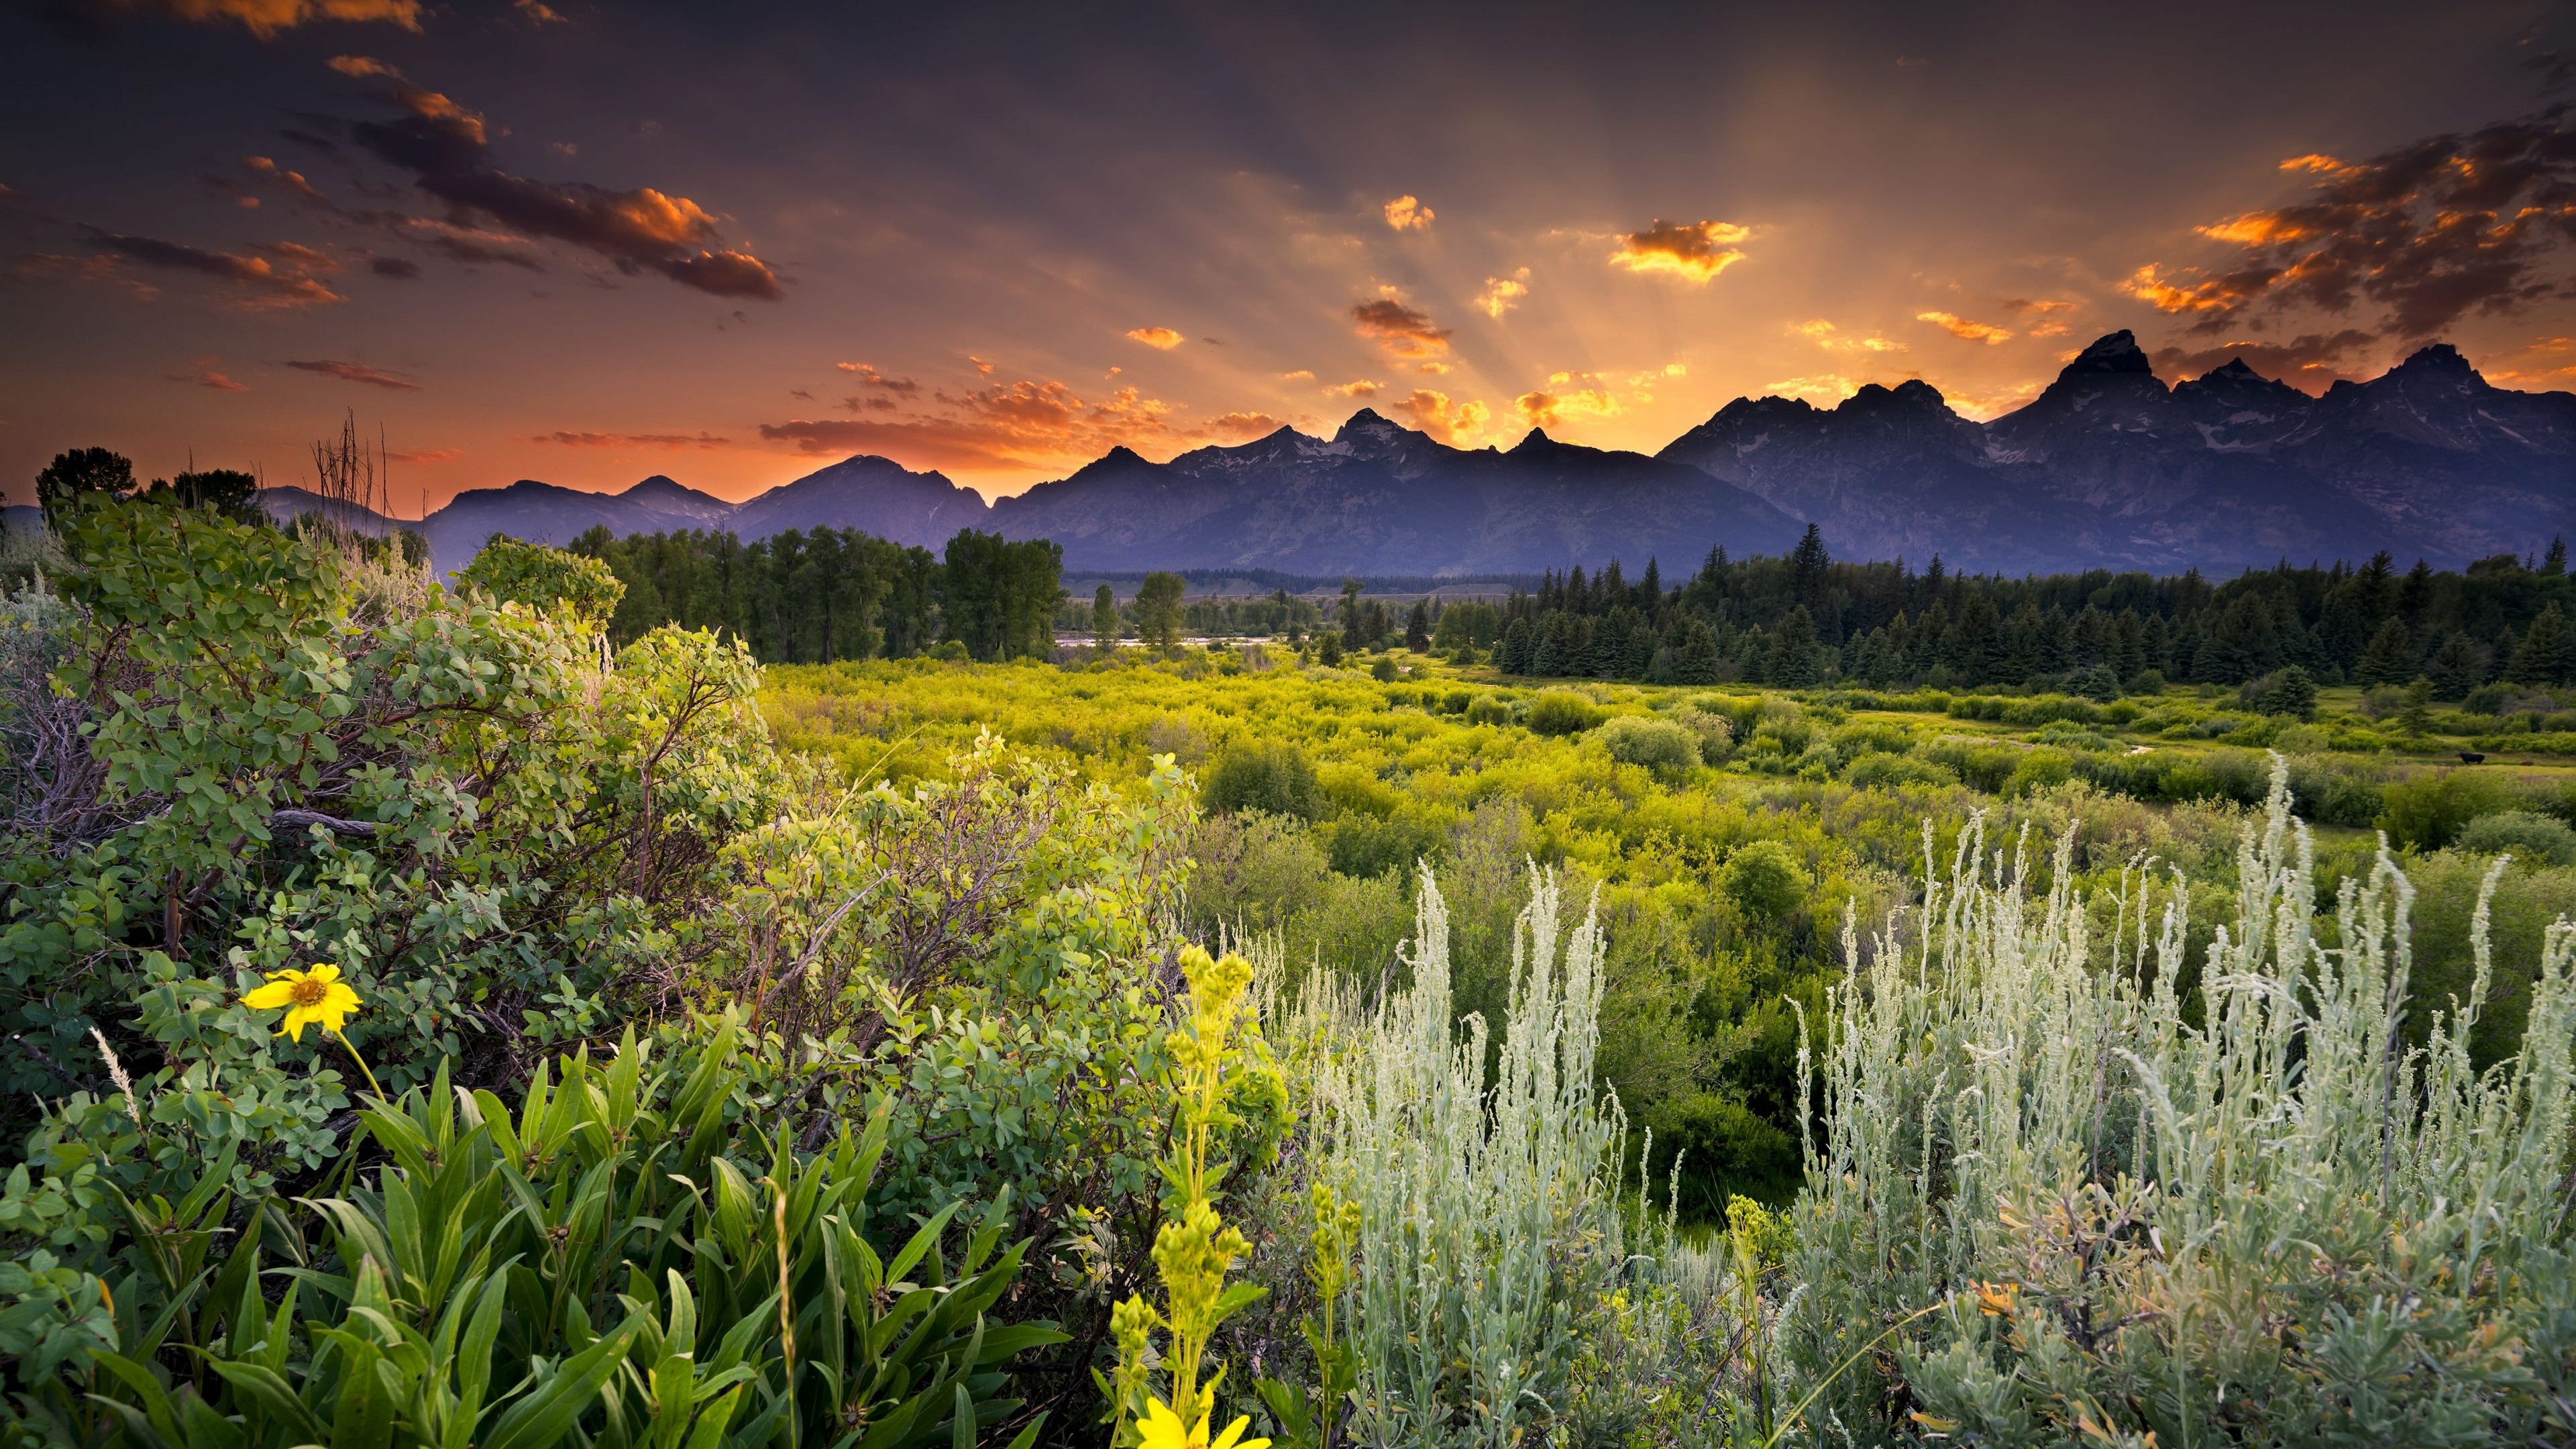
(1887, 772)
(1764, 881)
(2429, 810)
(1657, 744)
(268, 753)
(2531, 838)
(546, 580)
(1269, 777)
(1561, 712)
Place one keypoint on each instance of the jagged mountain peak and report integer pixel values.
(2115, 353)
(2438, 359)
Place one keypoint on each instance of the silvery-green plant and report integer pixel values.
(2266, 1221)
(1487, 1210)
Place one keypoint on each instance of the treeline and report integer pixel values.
(1809, 619)
(824, 595)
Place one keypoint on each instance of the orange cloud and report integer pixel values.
(1405, 332)
(1502, 294)
(290, 182)
(2213, 294)
(1407, 213)
(1242, 427)
(1692, 250)
(424, 455)
(869, 377)
(1828, 387)
(1303, 374)
(265, 18)
(1963, 329)
(1018, 426)
(1161, 339)
(633, 440)
(1825, 335)
(1548, 410)
(1357, 387)
(359, 372)
(1434, 413)
(2039, 306)
(294, 279)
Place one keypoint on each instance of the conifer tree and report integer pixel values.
(2547, 654)
(2457, 667)
(2390, 657)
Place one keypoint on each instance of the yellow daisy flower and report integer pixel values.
(312, 998)
(1163, 1429)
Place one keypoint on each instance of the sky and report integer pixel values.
(588, 243)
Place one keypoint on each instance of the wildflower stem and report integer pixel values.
(372, 1084)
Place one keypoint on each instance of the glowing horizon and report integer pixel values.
(587, 246)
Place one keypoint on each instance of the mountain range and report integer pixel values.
(2107, 468)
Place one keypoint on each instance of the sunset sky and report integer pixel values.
(587, 243)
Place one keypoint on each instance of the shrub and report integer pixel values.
(1272, 778)
(1504, 1184)
(1764, 881)
(2531, 838)
(1365, 846)
(2429, 810)
(1886, 772)
(1488, 709)
(2062, 1200)
(1562, 712)
(1657, 744)
(468, 810)
(546, 580)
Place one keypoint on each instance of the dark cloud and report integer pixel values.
(1695, 250)
(446, 148)
(634, 440)
(358, 372)
(2429, 232)
(869, 377)
(209, 378)
(1403, 331)
(2314, 361)
(292, 183)
(289, 277)
(263, 18)
(401, 269)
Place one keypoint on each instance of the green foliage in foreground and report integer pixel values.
(592, 1270)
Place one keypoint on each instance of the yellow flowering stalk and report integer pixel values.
(312, 998)
(1194, 1249)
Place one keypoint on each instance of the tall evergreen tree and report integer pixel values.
(2547, 653)
(2390, 657)
(2457, 667)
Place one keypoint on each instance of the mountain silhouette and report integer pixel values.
(2108, 468)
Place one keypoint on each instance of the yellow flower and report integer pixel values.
(315, 997)
(1163, 1429)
